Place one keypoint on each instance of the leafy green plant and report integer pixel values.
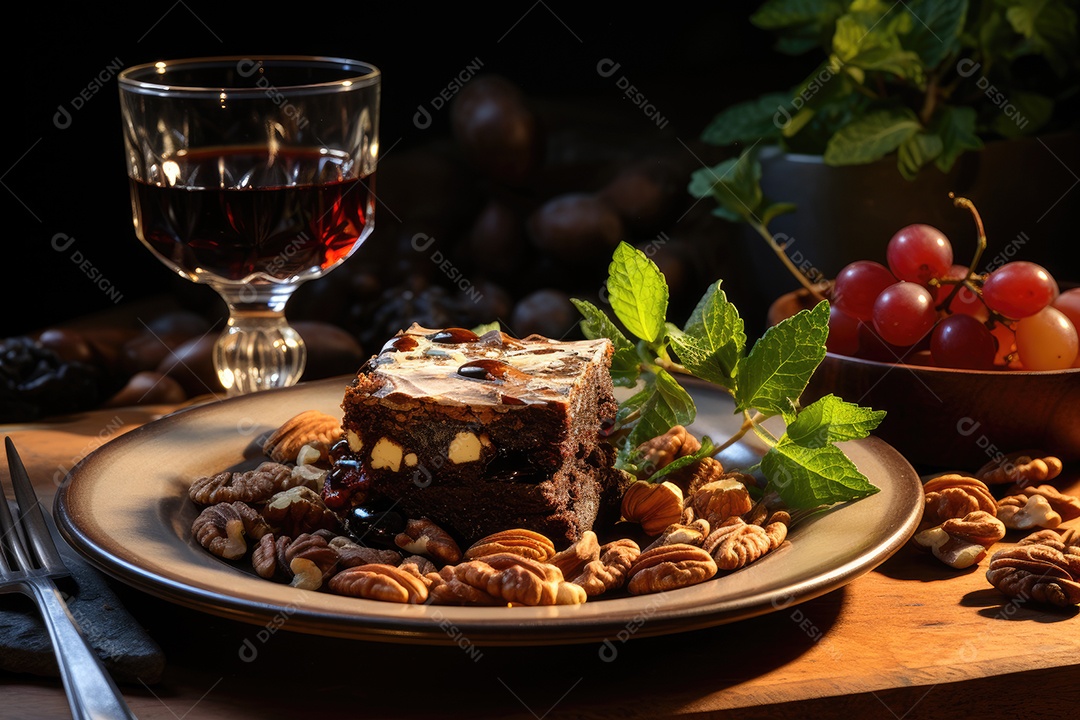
(803, 464)
(925, 79)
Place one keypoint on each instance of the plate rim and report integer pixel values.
(528, 626)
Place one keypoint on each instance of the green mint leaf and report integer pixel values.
(779, 366)
(872, 137)
(956, 128)
(666, 405)
(829, 420)
(803, 25)
(747, 122)
(916, 152)
(1049, 28)
(869, 37)
(735, 184)
(934, 34)
(1027, 113)
(713, 340)
(638, 293)
(811, 477)
(624, 359)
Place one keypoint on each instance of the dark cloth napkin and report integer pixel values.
(128, 652)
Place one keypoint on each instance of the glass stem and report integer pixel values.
(258, 349)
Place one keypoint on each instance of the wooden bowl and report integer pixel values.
(954, 419)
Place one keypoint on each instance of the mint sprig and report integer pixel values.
(804, 466)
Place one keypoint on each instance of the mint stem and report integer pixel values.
(803, 280)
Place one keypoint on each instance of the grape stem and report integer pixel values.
(779, 250)
(980, 246)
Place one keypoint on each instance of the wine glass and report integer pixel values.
(252, 175)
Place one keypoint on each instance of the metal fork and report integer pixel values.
(29, 563)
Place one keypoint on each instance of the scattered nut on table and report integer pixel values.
(1021, 468)
(1038, 572)
(954, 495)
(962, 542)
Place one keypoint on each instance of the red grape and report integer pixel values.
(961, 341)
(919, 252)
(1068, 302)
(904, 313)
(857, 287)
(1046, 340)
(843, 333)
(1019, 289)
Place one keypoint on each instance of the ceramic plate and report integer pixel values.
(125, 507)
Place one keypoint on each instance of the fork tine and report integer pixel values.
(10, 542)
(37, 530)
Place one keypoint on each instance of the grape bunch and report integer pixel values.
(923, 308)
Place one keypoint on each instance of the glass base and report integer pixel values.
(258, 350)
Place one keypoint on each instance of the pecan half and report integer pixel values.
(1039, 572)
(418, 565)
(953, 496)
(423, 537)
(1067, 506)
(299, 510)
(222, 528)
(692, 533)
(507, 578)
(610, 570)
(702, 472)
(519, 541)
(736, 543)
(670, 567)
(1065, 540)
(351, 554)
(654, 506)
(380, 582)
(573, 559)
(311, 427)
(721, 499)
(962, 542)
(250, 486)
(1021, 468)
(1023, 512)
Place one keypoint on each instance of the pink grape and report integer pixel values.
(1047, 340)
(857, 286)
(917, 253)
(1019, 289)
(843, 333)
(904, 313)
(1068, 302)
(962, 341)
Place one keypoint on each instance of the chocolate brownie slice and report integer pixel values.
(484, 433)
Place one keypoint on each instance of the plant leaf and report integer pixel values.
(779, 366)
(917, 151)
(871, 137)
(713, 339)
(638, 292)
(624, 359)
(707, 448)
(1050, 29)
(666, 405)
(1023, 114)
(747, 122)
(956, 128)
(811, 477)
(829, 420)
(935, 32)
(735, 184)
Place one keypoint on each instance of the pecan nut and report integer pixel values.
(736, 543)
(1067, 506)
(669, 567)
(423, 537)
(962, 542)
(692, 533)
(1036, 571)
(610, 570)
(1020, 468)
(309, 428)
(380, 582)
(299, 510)
(953, 496)
(222, 528)
(1023, 512)
(572, 561)
(721, 499)
(660, 451)
(654, 506)
(504, 578)
(250, 486)
(527, 543)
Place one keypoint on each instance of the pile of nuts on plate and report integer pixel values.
(967, 514)
(700, 523)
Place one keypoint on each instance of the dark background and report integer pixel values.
(689, 59)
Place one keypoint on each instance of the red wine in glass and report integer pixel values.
(241, 213)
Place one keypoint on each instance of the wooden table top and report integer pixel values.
(911, 639)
